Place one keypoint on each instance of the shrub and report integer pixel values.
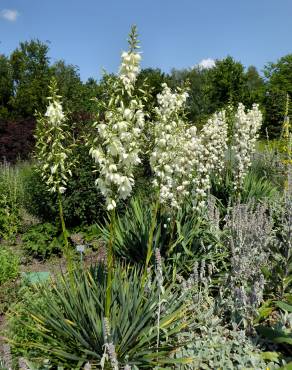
(38, 201)
(10, 200)
(280, 272)
(8, 295)
(9, 265)
(82, 201)
(19, 324)
(42, 241)
(280, 333)
(16, 139)
(249, 236)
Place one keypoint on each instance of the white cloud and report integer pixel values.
(207, 63)
(9, 14)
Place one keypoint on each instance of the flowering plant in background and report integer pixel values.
(172, 156)
(211, 155)
(245, 133)
(52, 149)
(54, 152)
(117, 145)
(174, 151)
(182, 159)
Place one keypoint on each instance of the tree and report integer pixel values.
(31, 75)
(92, 90)
(199, 102)
(152, 79)
(278, 83)
(227, 83)
(279, 75)
(255, 86)
(6, 85)
(69, 85)
(274, 108)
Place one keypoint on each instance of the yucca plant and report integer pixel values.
(131, 231)
(258, 188)
(253, 188)
(193, 239)
(182, 238)
(77, 331)
(2, 365)
(267, 164)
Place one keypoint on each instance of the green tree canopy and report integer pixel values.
(227, 83)
(69, 84)
(6, 85)
(279, 74)
(151, 79)
(31, 75)
(278, 84)
(255, 86)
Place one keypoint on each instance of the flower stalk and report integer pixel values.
(110, 264)
(54, 154)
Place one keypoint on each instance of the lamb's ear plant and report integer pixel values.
(54, 154)
(249, 235)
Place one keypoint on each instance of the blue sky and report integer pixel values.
(173, 33)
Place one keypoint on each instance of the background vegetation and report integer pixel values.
(24, 77)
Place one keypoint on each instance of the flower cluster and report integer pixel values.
(117, 145)
(182, 160)
(212, 151)
(129, 69)
(55, 113)
(246, 127)
(116, 151)
(172, 157)
(109, 348)
(169, 102)
(52, 149)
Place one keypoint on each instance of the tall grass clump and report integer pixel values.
(11, 200)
